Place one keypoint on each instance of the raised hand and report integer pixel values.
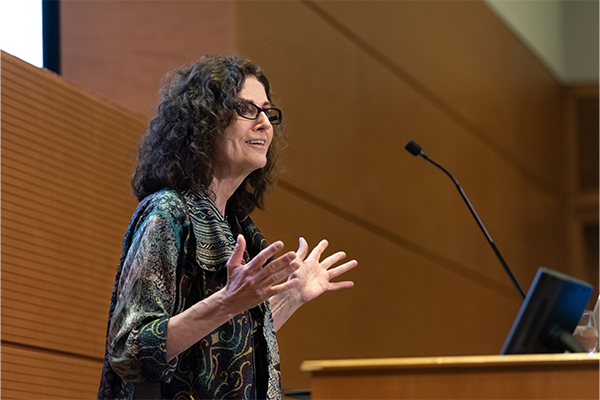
(314, 276)
(247, 286)
(250, 284)
(310, 280)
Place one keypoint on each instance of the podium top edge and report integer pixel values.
(450, 362)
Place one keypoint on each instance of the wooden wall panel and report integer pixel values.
(352, 117)
(352, 99)
(581, 114)
(34, 374)
(122, 49)
(67, 157)
(462, 58)
(404, 303)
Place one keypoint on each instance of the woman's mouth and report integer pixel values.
(256, 142)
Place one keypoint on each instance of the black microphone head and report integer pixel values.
(413, 148)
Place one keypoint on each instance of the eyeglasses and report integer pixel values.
(252, 111)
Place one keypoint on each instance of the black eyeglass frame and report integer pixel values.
(274, 120)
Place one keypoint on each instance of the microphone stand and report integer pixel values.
(415, 149)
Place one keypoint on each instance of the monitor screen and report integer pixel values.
(549, 314)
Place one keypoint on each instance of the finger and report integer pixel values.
(238, 252)
(319, 249)
(278, 289)
(302, 249)
(332, 259)
(280, 269)
(340, 285)
(337, 271)
(261, 258)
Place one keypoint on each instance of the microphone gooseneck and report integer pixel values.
(414, 149)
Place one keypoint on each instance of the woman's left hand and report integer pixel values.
(315, 276)
(311, 279)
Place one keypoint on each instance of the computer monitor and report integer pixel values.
(549, 315)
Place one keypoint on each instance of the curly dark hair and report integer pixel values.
(177, 150)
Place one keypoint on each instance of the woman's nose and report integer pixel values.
(263, 120)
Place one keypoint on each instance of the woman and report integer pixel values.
(196, 302)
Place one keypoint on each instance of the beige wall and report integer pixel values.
(356, 81)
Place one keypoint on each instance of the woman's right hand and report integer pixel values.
(250, 284)
(247, 286)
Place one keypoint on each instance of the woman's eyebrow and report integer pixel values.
(265, 104)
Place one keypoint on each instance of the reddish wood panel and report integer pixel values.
(67, 157)
(122, 49)
(34, 374)
(357, 81)
(404, 303)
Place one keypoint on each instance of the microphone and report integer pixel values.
(414, 149)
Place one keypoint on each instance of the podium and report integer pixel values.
(535, 376)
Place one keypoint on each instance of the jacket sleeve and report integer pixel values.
(146, 294)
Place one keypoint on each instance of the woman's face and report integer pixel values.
(243, 149)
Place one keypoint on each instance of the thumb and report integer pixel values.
(238, 252)
(302, 249)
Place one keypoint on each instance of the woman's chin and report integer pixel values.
(261, 163)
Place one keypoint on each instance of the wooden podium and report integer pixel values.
(539, 376)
